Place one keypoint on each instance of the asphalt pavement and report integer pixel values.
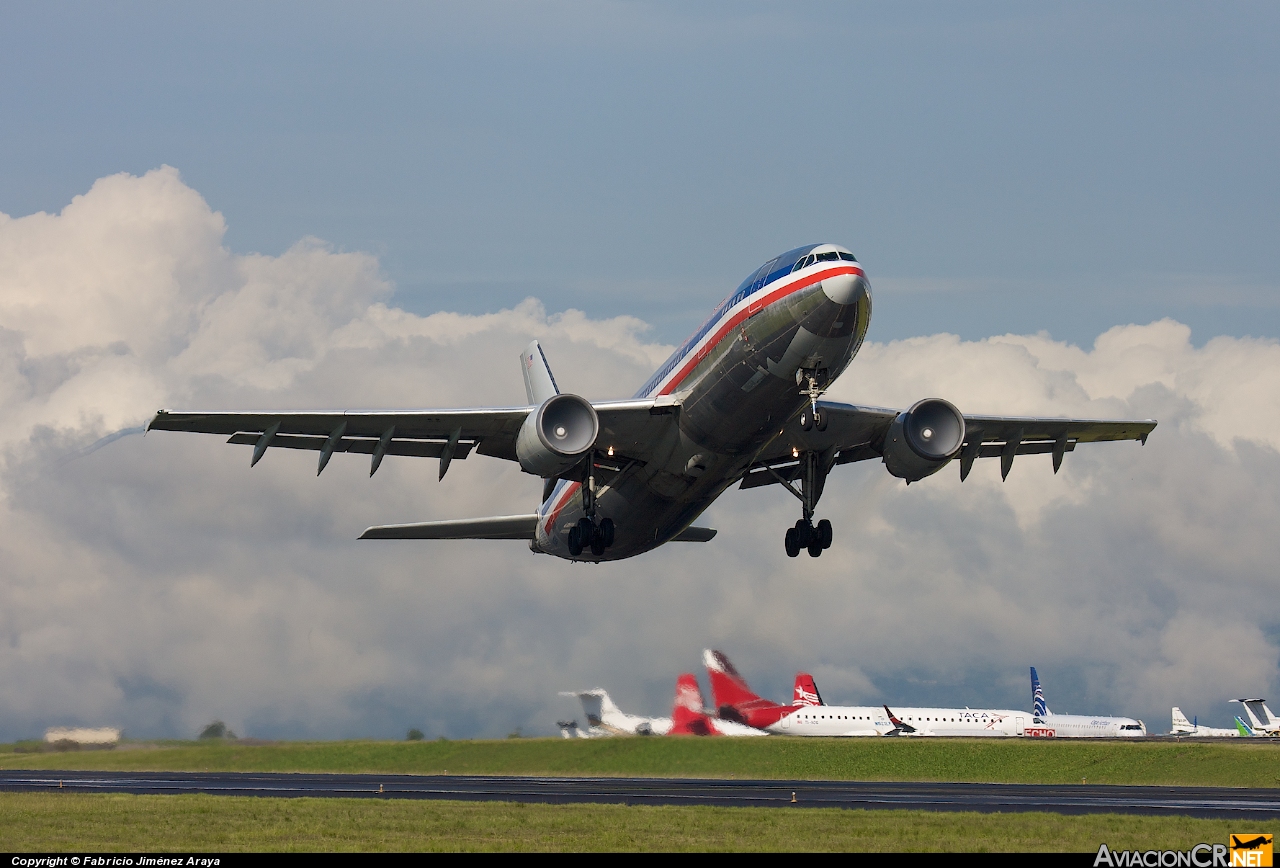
(1222, 802)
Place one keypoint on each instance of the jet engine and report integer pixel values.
(921, 440)
(555, 436)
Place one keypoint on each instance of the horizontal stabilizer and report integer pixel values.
(495, 527)
(695, 534)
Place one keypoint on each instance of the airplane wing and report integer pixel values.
(854, 433)
(498, 527)
(625, 426)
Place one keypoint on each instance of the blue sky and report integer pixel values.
(998, 167)
(1001, 170)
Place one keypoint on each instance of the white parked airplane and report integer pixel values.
(1182, 726)
(1261, 721)
(1046, 724)
(605, 719)
(808, 716)
(737, 403)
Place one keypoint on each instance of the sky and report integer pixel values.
(1062, 209)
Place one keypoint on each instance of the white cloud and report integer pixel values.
(158, 583)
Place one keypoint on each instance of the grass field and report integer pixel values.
(56, 822)
(1211, 763)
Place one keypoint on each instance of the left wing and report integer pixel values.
(853, 433)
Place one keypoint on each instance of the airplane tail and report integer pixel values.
(539, 384)
(1243, 728)
(1180, 722)
(596, 705)
(687, 716)
(1260, 717)
(806, 690)
(1038, 706)
(728, 688)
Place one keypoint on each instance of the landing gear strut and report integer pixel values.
(813, 473)
(588, 533)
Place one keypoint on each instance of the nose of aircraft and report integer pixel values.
(845, 288)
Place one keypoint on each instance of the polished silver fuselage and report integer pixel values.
(732, 387)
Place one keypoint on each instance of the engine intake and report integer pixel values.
(922, 439)
(556, 435)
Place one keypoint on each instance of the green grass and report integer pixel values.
(53, 822)
(1217, 763)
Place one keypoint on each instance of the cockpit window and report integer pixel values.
(848, 257)
(830, 256)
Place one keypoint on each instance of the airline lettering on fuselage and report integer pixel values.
(1040, 732)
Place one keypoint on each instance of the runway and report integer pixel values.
(1223, 802)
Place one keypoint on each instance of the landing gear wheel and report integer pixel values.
(806, 420)
(824, 533)
(793, 545)
(804, 533)
(820, 420)
(575, 542)
(607, 532)
(597, 543)
(815, 548)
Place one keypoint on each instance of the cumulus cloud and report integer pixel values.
(158, 582)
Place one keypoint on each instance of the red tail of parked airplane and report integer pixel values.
(736, 701)
(687, 716)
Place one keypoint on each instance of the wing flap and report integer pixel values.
(521, 527)
(359, 446)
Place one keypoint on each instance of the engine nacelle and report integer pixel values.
(555, 436)
(921, 440)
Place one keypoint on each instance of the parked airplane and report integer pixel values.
(605, 719)
(1182, 726)
(1046, 724)
(735, 700)
(738, 402)
(1261, 721)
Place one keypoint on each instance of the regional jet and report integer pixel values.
(1184, 727)
(739, 402)
(736, 701)
(1046, 724)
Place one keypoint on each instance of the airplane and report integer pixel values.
(605, 719)
(739, 402)
(1182, 726)
(735, 700)
(1261, 721)
(1046, 724)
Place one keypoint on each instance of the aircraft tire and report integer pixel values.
(806, 421)
(804, 533)
(824, 533)
(597, 544)
(793, 545)
(575, 541)
(607, 532)
(815, 549)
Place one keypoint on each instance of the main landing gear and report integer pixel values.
(586, 534)
(806, 536)
(589, 533)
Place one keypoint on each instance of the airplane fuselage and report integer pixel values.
(734, 384)
(834, 720)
